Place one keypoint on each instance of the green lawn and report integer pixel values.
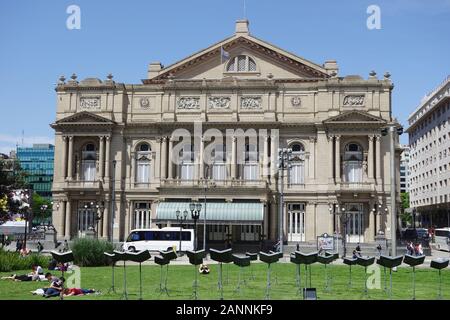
(283, 283)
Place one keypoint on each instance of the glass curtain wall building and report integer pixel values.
(37, 162)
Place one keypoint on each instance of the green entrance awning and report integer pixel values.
(216, 212)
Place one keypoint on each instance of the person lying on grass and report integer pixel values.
(77, 292)
(35, 275)
(67, 292)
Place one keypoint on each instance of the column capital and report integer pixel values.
(64, 137)
(70, 138)
(102, 137)
(371, 137)
(108, 137)
(312, 139)
(378, 137)
(337, 136)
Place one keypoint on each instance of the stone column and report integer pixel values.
(107, 157)
(70, 161)
(233, 158)
(273, 158)
(64, 157)
(127, 159)
(62, 219)
(266, 219)
(371, 235)
(310, 221)
(68, 225)
(330, 158)
(163, 157)
(378, 159)
(128, 216)
(106, 220)
(370, 159)
(201, 163)
(101, 156)
(100, 226)
(133, 169)
(273, 221)
(312, 153)
(265, 158)
(338, 159)
(170, 160)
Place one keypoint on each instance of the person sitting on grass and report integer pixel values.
(55, 288)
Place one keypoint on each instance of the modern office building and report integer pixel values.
(38, 161)
(429, 139)
(210, 126)
(404, 170)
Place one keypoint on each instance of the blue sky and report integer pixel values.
(122, 37)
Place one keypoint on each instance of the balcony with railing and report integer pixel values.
(225, 183)
(82, 185)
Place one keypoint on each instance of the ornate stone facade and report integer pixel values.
(123, 154)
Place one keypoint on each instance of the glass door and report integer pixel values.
(296, 222)
(86, 221)
(355, 223)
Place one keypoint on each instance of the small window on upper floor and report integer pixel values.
(241, 64)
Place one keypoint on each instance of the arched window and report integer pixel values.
(241, 63)
(143, 163)
(297, 165)
(353, 163)
(88, 162)
(187, 162)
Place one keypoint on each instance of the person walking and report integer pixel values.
(18, 245)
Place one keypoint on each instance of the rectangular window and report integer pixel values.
(297, 173)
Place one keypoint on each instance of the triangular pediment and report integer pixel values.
(192, 66)
(84, 117)
(354, 116)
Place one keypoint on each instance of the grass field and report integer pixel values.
(283, 283)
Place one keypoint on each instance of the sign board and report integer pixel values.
(325, 242)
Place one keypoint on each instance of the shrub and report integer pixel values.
(10, 261)
(89, 252)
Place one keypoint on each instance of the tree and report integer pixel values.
(11, 177)
(37, 204)
(405, 215)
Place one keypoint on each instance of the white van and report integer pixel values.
(442, 239)
(159, 239)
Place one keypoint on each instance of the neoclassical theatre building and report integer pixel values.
(208, 128)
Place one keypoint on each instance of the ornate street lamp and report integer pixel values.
(284, 158)
(99, 215)
(393, 130)
(181, 220)
(195, 213)
(334, 209)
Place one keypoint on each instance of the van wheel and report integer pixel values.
(132, 249)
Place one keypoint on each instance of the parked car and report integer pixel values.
(417, 234)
